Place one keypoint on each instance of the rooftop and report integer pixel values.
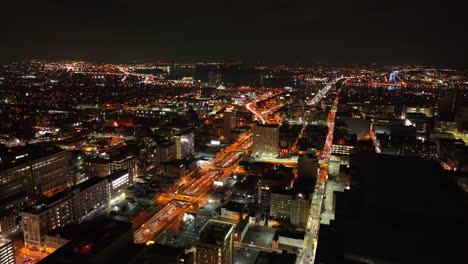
(215, 232)
(234, 206)
(12, 157)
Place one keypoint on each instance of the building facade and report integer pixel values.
(265, 141)
(47, 173)
(216, 243)
(229, 123)
(72, 206)
(7, 255)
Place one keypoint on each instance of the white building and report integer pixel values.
(265, 140)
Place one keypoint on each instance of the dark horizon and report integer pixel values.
(284, 32)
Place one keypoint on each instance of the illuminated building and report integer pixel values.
(427, 111)
(229, 123)
(35, 170)
(74, 205)
(118, 182)
(233, 211)
(299, 210)
(274, 180)
(7, 255)
(216, 243)
(342, 149)
(98, 167)
(166, 151)
(291, 206)
(184, 142)
(265, 140)
(280, 203)
(7, 221)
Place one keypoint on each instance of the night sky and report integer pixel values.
(330, 32)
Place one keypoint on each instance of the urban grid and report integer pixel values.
(182, 157)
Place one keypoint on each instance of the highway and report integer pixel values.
(255, 112)
(160, 221)
(191, 192)
(195, 191)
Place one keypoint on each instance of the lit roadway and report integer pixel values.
(193, 192)
(307, 254)
(258, 114)
(160, 221)
(322, 93)
(255, 112)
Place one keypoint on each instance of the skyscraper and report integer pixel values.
(265, 140)
(229, 123)
(216, 243)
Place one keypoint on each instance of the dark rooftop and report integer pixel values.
(11, 157)
(215, 232)
(234, 206)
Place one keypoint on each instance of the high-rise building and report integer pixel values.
(229, 123)
(165, 151)
(265, 140)
(7, 255)
(280, 204)
(216, 243)
(299, 210)
(36, 169)
(74, 205)
(184, 142)
(290, 205)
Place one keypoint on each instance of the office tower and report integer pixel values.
(184, 141)
(71, 206)
(216, 243)
(36, 169)
(165, 151)
(299, 210)
(265, 140)
(229, 123)
(7, 255)
(280, 204)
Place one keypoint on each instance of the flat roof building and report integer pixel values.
(216, 243)
(265, 140)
